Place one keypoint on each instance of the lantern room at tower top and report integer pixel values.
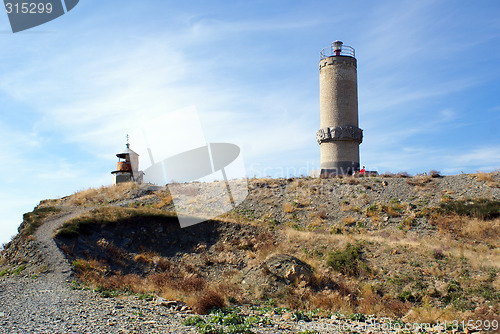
(337, 48)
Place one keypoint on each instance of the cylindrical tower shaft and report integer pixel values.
(339, 136)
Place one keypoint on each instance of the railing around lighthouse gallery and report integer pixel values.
(337, 49)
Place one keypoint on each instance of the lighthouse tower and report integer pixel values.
(339, 136)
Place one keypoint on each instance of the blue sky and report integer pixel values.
(428, 86)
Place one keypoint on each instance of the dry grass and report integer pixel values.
(107, 215)
(367, 300)
(102, 195)
(332, 300)
(469, 229)
(68, 250)
(209, 299)
(393, 210)
(315, 224)
(487, 178)
(83, 266)
(265, 249)
(322, 214)
(36, 218)
(346, 206)
(434, 173)
(154, 259)
(303, 200)
(164, 199)
(349, 220)
(371, 303)
(289, 207)
(420, 180)
(111, 249)
(173, 284)
(373, 210)
(352, 180)
(430, 315)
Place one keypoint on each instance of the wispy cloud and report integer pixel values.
(418, 159)
(96, 99)
(485, 158)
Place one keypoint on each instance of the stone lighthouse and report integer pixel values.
(339, 136)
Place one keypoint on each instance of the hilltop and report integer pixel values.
(414, 249)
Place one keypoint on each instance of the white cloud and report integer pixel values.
(485, 158)
(418, 159)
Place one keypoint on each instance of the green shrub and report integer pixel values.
(193, 321)
(348, 261)
(75, 285)
(374, 208)
(484, 209)
(146, 296)
(233, 319)
(107, 293)
(226, 318)
(257, 320)
(300, 316)
(18, 270)
(453, 292)
(238, 328)
(488, 292)
(209, 329)
(358, 317)
(408, 296)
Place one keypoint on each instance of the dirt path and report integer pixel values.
(59, 268)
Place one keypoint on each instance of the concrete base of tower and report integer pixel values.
(340, 168)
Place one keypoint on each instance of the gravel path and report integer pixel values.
(59, 268)
(47, 304)
(44, 305)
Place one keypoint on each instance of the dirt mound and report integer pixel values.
(147, 244)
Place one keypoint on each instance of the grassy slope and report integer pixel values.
(421, 249)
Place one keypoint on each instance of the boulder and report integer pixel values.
(289, 268)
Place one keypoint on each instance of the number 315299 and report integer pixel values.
(28, 8)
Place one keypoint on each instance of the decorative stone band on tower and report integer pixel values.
(339, 136)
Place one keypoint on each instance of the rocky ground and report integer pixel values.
(38, 292)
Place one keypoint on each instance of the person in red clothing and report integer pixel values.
(362, 171)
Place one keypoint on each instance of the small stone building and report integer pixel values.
(127, 168)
